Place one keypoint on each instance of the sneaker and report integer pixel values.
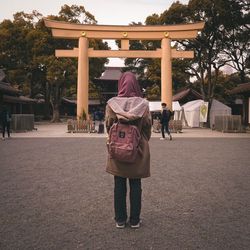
(162, 138)
(136, 226)
(120, 225)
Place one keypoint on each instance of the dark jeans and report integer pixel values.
(164, 127)
(6, 126)
(120, 193)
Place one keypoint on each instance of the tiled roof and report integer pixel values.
(241, 88)
(2, 75)
(18, 99)
(6, 88)
(74, 101)
(186, 92)
(111, 73)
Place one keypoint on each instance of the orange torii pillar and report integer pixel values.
(83, 77)
(166, 72)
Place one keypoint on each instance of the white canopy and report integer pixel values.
(192, 111)
(156, 106)
(218, 108)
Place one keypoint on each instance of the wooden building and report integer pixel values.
(244, 91)
(186, 95)
(108, 83)
(12, 98)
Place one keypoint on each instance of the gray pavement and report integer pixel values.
(45, 130)
(55, 194)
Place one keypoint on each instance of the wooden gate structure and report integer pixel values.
(83, 32)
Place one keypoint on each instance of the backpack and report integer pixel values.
(124, 140)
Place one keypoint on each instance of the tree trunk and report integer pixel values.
(242, 76)
(46, 114)
(56, 113)
(208, 113)
(56, 104)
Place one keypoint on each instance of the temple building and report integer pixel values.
(12, 98)
(186, 95)
(244, 91)
(108, 83)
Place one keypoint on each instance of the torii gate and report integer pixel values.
(83, 32)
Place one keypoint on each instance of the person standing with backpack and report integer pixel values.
(128, 122)
(165, 118)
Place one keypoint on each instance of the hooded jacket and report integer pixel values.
(130, 109)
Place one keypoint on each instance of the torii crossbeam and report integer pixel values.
(83, 32)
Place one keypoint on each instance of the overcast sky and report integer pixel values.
(112, 12)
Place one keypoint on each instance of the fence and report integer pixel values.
(22, 122)
(81, 126)
(228, 123)
(175, 126)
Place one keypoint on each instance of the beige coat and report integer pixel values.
(141, 167)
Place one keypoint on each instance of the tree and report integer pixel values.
(237, 33)
(60, 77)
(153, 92)
(148, 70)
(14, 59)
(30, 64)
(75, 14)
(214, 41)
(221, 18)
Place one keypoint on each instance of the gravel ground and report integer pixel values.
(55, 194)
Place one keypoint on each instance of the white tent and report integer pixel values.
(218, 108)
(156, 106)
(192, 111)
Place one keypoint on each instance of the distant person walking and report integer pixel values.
(126, 114)
(165, 118)
(5, 120)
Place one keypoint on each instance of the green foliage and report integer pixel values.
(152, 20)
(176, 14)
(181, 74)
(153, 93)
(83, 116)
(27, 54)
(76, 14)
(223, 41)
(94, 91)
